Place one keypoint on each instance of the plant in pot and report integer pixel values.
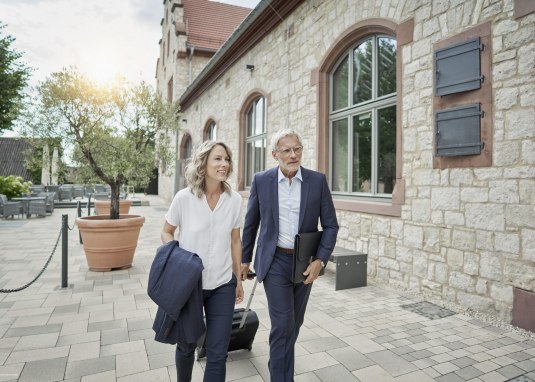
(116, 133)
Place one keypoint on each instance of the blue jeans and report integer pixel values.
(218, 311)
(287, 304)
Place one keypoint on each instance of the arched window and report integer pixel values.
(210, 133)
(255, 139)
(187, 147)
(362, 119)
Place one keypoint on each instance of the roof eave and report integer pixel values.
(262, 19)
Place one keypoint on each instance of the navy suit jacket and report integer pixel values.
(263, 211)
(175, 285)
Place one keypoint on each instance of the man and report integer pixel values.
(284, 201)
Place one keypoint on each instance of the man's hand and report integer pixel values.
(312, 272)
(244, 270)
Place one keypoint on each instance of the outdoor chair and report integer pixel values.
(55, 189)
(101, 196)
(8, 208)
(35, 189)
(37, 207)
(65, 193)
(50, 196)
(78, 192)
(100, 188)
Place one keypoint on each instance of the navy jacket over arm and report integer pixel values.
(175, 285)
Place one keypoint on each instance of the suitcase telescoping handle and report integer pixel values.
(247, 308)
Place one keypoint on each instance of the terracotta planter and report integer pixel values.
(103, 206)
(109, 244)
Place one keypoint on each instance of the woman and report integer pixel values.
(208, 215)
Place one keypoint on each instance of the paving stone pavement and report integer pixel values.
(99, 328)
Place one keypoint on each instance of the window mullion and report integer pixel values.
(374, 163)
(375, 70)
(350, 66)
(331, 157)
(350, 154)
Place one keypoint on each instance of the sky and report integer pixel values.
(100, 37)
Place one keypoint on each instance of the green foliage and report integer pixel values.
(117, 133)
(13, 79)
(13, 186)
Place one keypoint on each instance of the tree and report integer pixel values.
(117, 133)
(13, 79)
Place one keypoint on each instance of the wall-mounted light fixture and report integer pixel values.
(249, 67)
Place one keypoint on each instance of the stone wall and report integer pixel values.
(465, 235)
(182, 67)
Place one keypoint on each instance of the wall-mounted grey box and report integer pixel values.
(458, 68)
(458, 131)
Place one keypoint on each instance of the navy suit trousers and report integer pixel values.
(287, 304)
(219, 311)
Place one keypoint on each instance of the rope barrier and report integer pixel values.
(39, 274)
(49, 258)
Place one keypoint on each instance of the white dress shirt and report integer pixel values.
(207, 233)
(289, 206)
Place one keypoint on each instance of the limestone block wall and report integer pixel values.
(465, 235)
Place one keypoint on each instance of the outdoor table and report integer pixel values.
(26, 203)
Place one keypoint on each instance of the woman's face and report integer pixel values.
(218, 164)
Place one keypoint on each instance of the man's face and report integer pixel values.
(288, 154)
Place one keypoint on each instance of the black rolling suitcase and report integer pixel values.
(244, 327)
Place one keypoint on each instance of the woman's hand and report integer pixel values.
(239, 292)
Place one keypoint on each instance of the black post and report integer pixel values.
(89, 205)
(64, 249)
(79, 208)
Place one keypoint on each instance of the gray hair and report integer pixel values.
(283, 134)
(196, 168)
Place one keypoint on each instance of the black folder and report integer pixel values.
(305, 248)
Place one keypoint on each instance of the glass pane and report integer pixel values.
(340, 152)
(362, 72)
(212, 132)
(258, 157)
(188, 148)
(340, 84)
(362, 152)
(249, 164)
(259, 111)
(386, 66)
(386, 175)
(249, 121)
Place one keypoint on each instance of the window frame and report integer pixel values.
(483, 96)
(246, 104)
(352, 110)
(210, 125)
(254, 138)
(403, 33)
(186, 146)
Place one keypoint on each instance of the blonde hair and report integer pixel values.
(196, 168)
(283, 134)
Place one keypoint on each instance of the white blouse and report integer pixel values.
(207, 233)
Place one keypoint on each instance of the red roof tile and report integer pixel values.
(209, 23)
